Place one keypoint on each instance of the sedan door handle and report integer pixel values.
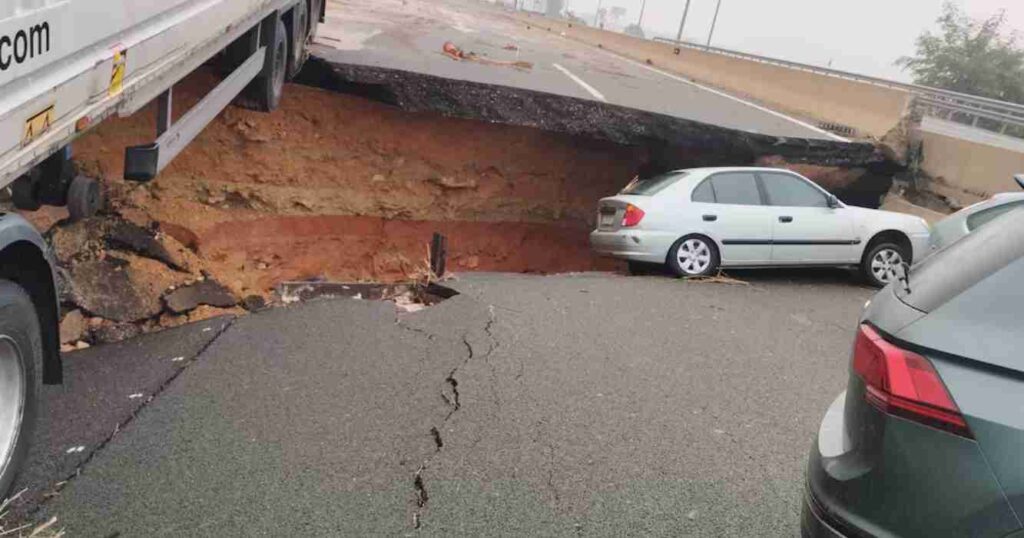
(710, 218)
(786, 219)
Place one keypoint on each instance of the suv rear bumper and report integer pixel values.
(815, 522)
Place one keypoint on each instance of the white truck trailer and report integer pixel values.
(65, 66)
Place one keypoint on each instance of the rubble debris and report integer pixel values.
(408, 303)
(305, 291)
(73, 327)
(455, 53)
(110, 332)
(46, 217)
(112, 275)
(450, 49)
(123, 234)
(407, 297)
(254, 303)
(89, 238)
(720, 278)
(113, 289)
(207, 292)
(181, 234)
(205, 312)
(438, 255)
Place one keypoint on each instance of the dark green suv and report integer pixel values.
(928, 439)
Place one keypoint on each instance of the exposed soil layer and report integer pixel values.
(339, 187)
(262, 253)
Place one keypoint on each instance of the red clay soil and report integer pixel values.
(264, 252)
(341, 187)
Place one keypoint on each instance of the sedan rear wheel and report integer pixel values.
(693, 255)
(882, 264)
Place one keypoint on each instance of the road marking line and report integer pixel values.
(578, 80)
(723, 94)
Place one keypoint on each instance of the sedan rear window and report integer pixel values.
(736, 188)
(653, 185)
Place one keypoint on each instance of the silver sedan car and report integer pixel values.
(697, 221)
(954, 227)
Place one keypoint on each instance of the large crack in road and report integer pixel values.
(453, 400)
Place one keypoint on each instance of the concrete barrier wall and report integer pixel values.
(979, 169)
(870, 109)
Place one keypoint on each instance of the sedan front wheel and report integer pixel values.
(693, 255)
(881, 264)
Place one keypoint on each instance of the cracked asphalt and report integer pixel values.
(574, 405)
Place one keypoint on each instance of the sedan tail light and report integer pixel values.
(633, 216)
(905, 384)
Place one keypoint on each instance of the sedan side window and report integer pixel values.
(737, 188)
(791, 191)
(982, 218)
(704, 193)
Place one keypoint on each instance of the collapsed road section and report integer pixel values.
(859, 172)
(351, 178)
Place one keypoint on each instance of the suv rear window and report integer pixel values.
(963, 264)
(653, 185)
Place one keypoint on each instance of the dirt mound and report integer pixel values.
(119, 279)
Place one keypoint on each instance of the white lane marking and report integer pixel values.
(581, 82)
(723, 94)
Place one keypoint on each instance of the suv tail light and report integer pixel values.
(905, 384)
(633, 216)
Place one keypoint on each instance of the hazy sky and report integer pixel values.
(864, 36)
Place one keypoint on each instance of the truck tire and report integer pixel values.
(84, 198)
(298, 38)
(25, 193)
(21, 359)
(264, 94)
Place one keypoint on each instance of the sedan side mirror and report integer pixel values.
(833, 202)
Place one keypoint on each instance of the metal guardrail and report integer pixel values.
(1000, 116)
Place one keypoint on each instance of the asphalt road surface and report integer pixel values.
(577, 405)
(410, 34)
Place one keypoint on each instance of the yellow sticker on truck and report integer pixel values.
(37, 125)
(117, 73)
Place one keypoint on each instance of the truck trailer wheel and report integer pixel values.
(84, 198)
(298, 38)
(25, 192)
(265, 92)
(21, 358)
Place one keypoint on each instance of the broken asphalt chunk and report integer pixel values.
(207, 292)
